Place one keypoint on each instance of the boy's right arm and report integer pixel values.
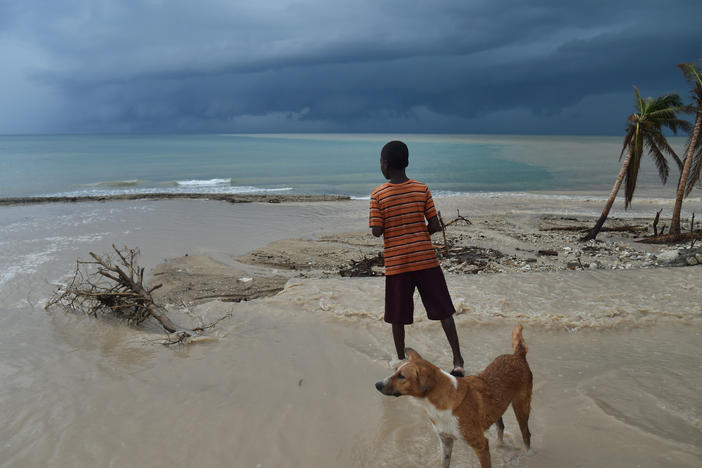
(375, 220)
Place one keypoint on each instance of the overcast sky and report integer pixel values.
(440, 66)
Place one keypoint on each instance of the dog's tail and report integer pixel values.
(518, 344)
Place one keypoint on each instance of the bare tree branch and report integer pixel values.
(117, 287)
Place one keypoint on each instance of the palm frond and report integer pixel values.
(632, 172)
(638, 101)
(667, 118)
(691, 72)
(663, 101)
(658, 157)
(688, 108)
(663, 145)
(645, 131)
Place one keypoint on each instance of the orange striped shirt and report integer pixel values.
(401, 209)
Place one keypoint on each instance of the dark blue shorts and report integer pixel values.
(399, 296)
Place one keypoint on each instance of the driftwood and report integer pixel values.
(478, 257)
(655, 222)
(443, 231)
(663, 238)
(363, 267)
(444, 225)
(672, 239)
(630, 229)
(458, 218)
(116, 286)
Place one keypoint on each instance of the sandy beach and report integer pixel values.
(286, 379)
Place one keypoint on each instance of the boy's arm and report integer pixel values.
(431, 214)
(434, 225)
(375, 219)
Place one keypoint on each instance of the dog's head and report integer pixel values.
(412, 377)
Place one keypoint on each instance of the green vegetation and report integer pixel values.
(644, 132)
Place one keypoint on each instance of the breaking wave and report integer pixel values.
(214, 186)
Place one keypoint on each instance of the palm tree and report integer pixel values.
(644, 131)
(693, 156)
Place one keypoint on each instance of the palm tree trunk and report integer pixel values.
(612, 195)
(682, 183)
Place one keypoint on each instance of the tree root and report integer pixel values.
(115, 286)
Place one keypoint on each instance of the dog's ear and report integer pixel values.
(412, 354)
(425, 380)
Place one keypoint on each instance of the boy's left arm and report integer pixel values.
(434, 225)
(431, 214)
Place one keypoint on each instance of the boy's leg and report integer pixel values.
(437, 302)
(398, 334)
(449, 327)
(399, 307)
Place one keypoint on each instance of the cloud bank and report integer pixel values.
(449, 66)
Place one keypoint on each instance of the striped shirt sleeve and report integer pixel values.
(429, 209)
(375, 218)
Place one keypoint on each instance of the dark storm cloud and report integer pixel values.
(443, 66)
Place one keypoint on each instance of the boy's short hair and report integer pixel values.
(396, 154)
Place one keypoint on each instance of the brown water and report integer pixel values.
(288, 381)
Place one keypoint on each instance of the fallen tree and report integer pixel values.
(114, 284)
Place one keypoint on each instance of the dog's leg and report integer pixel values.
(500, 429)
(522, 407)
(482, 450)
(446, 449)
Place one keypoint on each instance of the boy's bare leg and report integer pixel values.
(398, 334)
(449, 327)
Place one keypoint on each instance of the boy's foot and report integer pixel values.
(458, 371)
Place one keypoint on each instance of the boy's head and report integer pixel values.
(395, 154)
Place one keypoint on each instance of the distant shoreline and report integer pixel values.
(231, 198)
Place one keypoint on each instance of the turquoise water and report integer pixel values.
(334, 164)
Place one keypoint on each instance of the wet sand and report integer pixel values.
(231, 198)
(288, 378)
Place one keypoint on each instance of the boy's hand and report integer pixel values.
(434, 225)
(377, 231)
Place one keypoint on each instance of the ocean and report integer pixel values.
(75, 165)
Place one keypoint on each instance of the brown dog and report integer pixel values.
(466, 407)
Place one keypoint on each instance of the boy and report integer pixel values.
(397, 212)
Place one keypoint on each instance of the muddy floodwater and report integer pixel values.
(288, 380)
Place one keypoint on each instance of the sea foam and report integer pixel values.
(180, 187)
(203, 183)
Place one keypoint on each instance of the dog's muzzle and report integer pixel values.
(384, 388)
